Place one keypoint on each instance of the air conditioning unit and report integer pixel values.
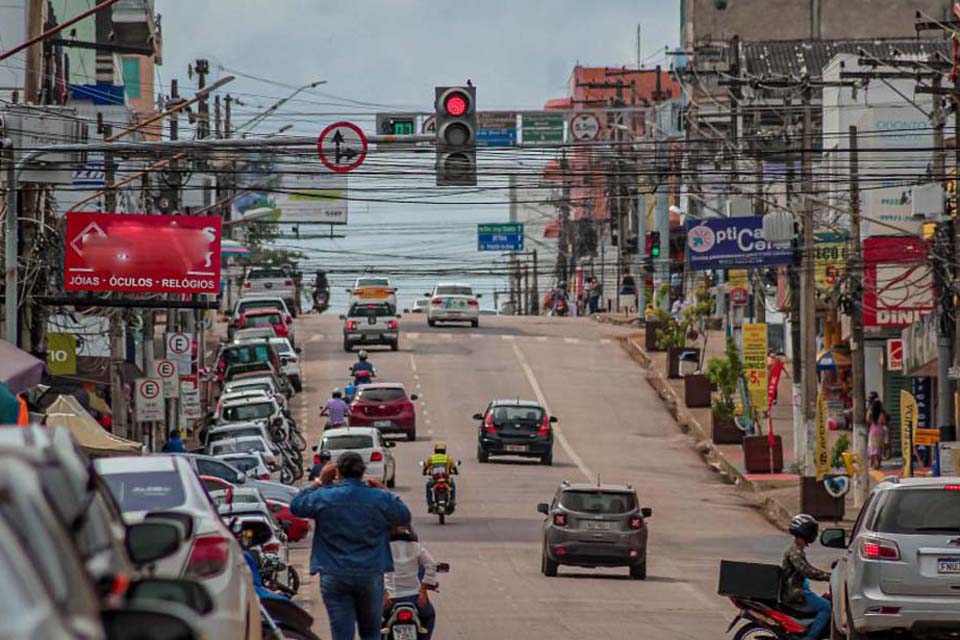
(927, 201)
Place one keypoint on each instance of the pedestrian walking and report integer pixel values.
(174, 443)
(876, 434)
(593, 294)
(351, 545)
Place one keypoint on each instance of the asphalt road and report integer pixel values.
(611, 425)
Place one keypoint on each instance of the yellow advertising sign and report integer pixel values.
(829, 259)
(926, 437)
(62, 354)
(908, 424)
(821, 454)
(755, 363)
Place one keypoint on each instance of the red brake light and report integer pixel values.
(436, 301)
(879, 549)
(376, 456)
(488, 424)
(288, 283)
(316, 458)
(208, 557)
(472, 303)
(636, 522)
(392, 324)
(272, 547)
(292, 359)
(351, 325)
(246, 285)
(404, 615)
(560, 519)
(242, 321)
(952, 487)
(544, 426)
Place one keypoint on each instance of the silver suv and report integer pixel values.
(371, 323)
(901, 568)
(590, 525)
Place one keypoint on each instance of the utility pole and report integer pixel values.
(173, 414)
(808, 317)
(796, 350)
(33, 72)
(641, 254)
(535, 294)
(861, 483)
(118, 405)
(202, 68)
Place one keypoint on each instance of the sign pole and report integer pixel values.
(861, 483)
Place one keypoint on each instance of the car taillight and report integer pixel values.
(241, 322)
(246, 285)
(952, 487)
(544, 429)
(208, 557)
(636, 522)
(272, 547)
(473, 303)
(404, 615)
(288, 283)
(351, 325)
(560, 519)
(488, 424)
(264, 476)
(392, 324)
(376, 456)
(292, 359)
(436, 301)
(879, 549)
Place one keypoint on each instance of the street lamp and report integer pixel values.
(279, 103)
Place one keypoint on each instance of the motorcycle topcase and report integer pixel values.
(749, 580)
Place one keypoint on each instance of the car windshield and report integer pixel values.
(262, 320)
(339, 443)
(373, 282)
(236, 446)
(244, 463)
(380, 395)
(246, 354)
(371, 310)
(283, 347)
(610, 503)
(453, 290)
(918, 511)
(146, 490)
(233, 434)
(503, 414)
(243, 412)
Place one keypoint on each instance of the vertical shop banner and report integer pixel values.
(755, 363)
(908, 423)
(922, 390)
(821, 455)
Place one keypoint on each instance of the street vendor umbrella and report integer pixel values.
(18, 369)
(830, 359)
(233, 248)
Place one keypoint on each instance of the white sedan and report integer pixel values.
(453, 302)
(369, 443)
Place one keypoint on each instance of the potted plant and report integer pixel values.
(677, 335)
(653, 324)
(827, 502)
(725, 372)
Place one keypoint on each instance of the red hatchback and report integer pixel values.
(299, 527)
(385, 406)
(274, 318)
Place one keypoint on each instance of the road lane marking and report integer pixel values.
(605, 340)
(571, 340)
(317, 337)
(532, 379)
(419, 386)
(413, 364)
(508, 337)
(541, 338)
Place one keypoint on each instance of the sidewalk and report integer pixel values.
(776, 495)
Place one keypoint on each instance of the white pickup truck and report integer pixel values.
(271, 281)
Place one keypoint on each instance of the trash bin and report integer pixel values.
(689, 361)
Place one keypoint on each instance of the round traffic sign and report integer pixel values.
(149, 389)
(178, 343)
(584, 127)
(342, 147)
(166, 369)
(429, 125)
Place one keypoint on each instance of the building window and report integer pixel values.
(131, 77)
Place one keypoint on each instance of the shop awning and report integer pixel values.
(66, 411)
(229, 248)
(18, 369)
(832, 359)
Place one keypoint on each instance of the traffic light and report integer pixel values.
(655, 244)
(456, 109)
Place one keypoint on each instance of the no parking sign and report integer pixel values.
(180, 351)
(148, 399)
(166, 372)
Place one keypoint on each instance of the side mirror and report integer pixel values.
(284, 361)
(420, 462)
(414, 396)
(834, 538)
(646, 512)
(314, 448)
(276, 507)
(479, 295)
(343, 317)
(543, 508)
(189, 593)
(289, 320)
(443, 567)
(390, 444)
(553, 419)
(240, 479)
(405, 311)
(150, 541)
(478, 416)
(427, 294)
(459, 462)
(349, 290)
(298, 350)
(285, 525)
(152, 621)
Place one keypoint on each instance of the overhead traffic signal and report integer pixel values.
(655, 244)
(456, 117)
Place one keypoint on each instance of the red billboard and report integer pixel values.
(897, 281)
(140, 253)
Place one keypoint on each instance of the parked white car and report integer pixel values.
(369, 443)
(290, 359)
(209, 553)
(453, 302)
(254, 464)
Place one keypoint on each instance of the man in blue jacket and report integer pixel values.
(351, 545)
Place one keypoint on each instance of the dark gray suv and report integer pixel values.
(595, 525)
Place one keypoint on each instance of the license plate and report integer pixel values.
(596, 525)
(382, 423)
(948, 565)
(404, 632)
(517, 448)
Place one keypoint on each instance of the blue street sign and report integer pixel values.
(730, 243)
(500, 237)
(497, 137)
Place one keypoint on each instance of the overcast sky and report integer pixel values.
(393, 52)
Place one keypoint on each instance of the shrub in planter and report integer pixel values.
(725, 372)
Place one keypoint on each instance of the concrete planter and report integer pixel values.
(696, 390)
(650, 335)
(724, 431)
(815, 500)
(756, 454)
(673, 360)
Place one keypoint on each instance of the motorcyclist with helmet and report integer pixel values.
(321, 291)
(362, 364)
(336, 410)
(411, 560)
(797, 573)
(440, 459)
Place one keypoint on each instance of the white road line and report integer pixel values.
(507, 337)
(413, 363)
(571, 340)
(317, 337)
(532, 379)
(605, 340)
(419, 386)
(541, 338)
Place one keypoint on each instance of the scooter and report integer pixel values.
(770, 620)
(402, 621)
(321, 300)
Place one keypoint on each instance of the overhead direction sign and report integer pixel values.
(496, 129)
(542, 127)
(584, 127)
(342, 147)
(500, 237)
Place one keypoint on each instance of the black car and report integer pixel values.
(515, 428)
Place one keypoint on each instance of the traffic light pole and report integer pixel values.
(641, 253)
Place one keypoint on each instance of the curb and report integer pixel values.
(771, 508)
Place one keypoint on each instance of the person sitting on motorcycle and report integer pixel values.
(560, 295)
(321, 284)
(336, 410)
(362, 364)
(797, 573)
(404, 584)
(440, 459)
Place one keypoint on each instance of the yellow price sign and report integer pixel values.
(755, 363)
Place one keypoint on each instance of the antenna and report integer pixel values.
(639, 55)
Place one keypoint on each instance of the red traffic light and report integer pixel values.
(456, 104)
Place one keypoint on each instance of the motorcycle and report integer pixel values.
(770, 620)
(349, 392)
(402, 620)
(321, 300)
(361, 378)
(561, 308)
(441, 503)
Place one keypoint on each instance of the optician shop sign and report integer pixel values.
(142, 253)
(724, 243)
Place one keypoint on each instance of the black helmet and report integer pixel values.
(804, 526)
(403, 533)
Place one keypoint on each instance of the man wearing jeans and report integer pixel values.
(351, 546)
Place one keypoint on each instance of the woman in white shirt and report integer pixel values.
(414, 573)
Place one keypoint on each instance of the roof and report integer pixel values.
(236, 425)
(383, 385)
(795, 58)
(346, 431)
(247, 397)
(612, 488)
(454, 284)
(261, 312)
(136, 464)
(917, 483)
(516, 402)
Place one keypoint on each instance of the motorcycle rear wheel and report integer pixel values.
(442, 517)
(751, 631)
(286, 475)
(293, 579)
